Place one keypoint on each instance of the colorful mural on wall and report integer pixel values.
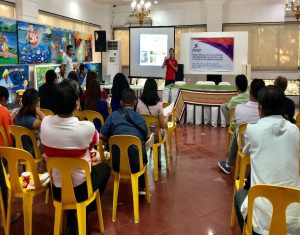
(83, 47)
(8, 41)
(34, 43)
(60, 39)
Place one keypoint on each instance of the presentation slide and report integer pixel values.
(153, 49)
(148, 49)
(222, 53)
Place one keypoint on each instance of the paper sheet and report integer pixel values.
(169, 108)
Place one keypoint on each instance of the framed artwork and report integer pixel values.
(40, 73)
(83, 47)
(8, 41)
(14, 77)
(34, 43)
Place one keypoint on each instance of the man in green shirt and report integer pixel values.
(241, 84)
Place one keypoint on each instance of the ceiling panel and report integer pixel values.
(127, 2)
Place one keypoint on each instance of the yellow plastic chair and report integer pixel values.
(78, 114)
(172, 129)
(14, 184)
(241, 163)
(91, 116)
(4, 137)
(17, 132)
(152, 120)
(68, 201)
(298, 118)
(280, 197)
(123, 142)
(230, 131)
(47, 112)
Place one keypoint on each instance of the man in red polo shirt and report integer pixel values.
(171, 64)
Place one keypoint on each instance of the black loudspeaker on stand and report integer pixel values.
(100, 41)
(179, 74)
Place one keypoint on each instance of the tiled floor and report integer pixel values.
(193, 198)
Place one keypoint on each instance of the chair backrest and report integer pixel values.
(224, 83)
(280, 197)
(91, 115)
(65, 166)
(47, 112)
(205, 83)
(241, 138)
(13, 157)
(231, 115)
(242, 160)
(165, 104)
(150, 121)
(78, 114)
(18, 132)
(4, 136)
(123, 142)
(298, 118)
(180, 83)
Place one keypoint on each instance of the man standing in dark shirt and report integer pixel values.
(289, 104)
(47, 91)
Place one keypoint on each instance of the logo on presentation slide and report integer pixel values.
(196, 49)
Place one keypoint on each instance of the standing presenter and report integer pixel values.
(171, 65)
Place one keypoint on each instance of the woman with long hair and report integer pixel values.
(29, 115)
(94, 102)
(149, 103)
(89, 77)
(119, 84)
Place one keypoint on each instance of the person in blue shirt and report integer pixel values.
(117, 124)
(94, 101)
(119, 84)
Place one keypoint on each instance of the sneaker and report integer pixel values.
(224, 167)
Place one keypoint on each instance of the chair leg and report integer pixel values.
(176, 137)
(228, 143)
(2, 210)
(155, 162)
(81, 219)
(99, 212)
(58, 219)
(233, 214)
(27, 210)
(115, 196)
(170, 142)
(166, 156)
(135, 196)
(147, 185)
(47, 196)
(9, 207)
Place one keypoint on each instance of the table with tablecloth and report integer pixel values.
(137, 88)
(191, 100)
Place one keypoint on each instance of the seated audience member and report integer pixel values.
(289, 104)
(244, 113)
(119, 84)
(94, 101)
(47, 91)
(273, 146)
(64, 135)
(29, 116)
(5, 121)
(241, 84)
(121, 123)
(89, 77)
(149, 103)
(74, 76)
(82, 76)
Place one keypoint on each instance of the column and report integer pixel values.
(27, 10)
(214, 15)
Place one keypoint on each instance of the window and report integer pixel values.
(271, 46)
(65, 23)
(7, 10)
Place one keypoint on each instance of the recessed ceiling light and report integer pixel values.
(155, 2)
